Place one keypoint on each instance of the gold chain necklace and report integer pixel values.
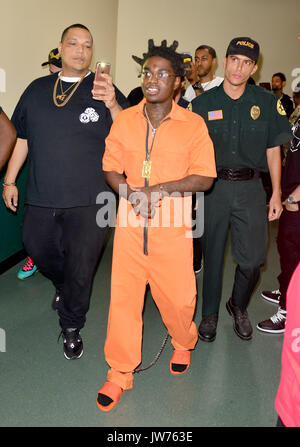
(148, 119)
(63, 95)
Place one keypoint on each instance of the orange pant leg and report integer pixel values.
(123, 344)
(173, 284)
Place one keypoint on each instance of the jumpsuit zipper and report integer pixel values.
(148, 154)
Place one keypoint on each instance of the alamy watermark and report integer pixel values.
(296, 82)
(2, 80)
(2, 340)
(296, 342)
(175, 210)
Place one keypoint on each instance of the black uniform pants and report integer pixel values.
(288, 243)
(66, 245)
(240, 206)
(197, 246)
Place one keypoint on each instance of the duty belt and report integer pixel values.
(237, 174)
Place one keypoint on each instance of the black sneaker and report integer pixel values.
(272, 295)
(275, 324)
(73, 346)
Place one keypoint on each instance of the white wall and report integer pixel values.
(29, 29)
(275, 24)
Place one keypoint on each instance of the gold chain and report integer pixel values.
(63, 95)
(148, 119)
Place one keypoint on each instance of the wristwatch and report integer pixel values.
(291, 200)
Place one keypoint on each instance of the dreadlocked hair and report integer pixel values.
(165, 52)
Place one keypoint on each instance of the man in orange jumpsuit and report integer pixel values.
(154, 149)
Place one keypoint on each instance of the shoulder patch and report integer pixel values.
(280, 108)
(190, 107)
(215, 115)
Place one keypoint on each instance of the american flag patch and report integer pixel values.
(215, 115)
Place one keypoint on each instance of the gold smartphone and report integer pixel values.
(101, 67)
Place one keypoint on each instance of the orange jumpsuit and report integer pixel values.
(182, 147)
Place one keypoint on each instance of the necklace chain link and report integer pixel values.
(63, 96)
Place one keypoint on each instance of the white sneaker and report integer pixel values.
(272, 296)
(275, 324)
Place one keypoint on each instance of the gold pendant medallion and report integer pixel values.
(61, 97)
(146, 169)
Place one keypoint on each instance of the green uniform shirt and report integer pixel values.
(243, 129)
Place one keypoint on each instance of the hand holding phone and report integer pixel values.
(106, 91)
(101, 67)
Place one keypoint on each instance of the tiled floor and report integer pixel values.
(230, 382)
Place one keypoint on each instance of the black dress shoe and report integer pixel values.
(208, 327)
(242, 325)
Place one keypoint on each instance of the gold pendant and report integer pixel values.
(146, 169)
(61, 97)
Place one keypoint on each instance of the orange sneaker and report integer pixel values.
(180, 361)
(108, 396)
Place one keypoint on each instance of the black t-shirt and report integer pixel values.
(135, 96)
(65, 144)
(291, 175)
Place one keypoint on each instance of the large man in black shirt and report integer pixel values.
(62, 126)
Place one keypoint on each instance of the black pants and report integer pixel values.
(279, 423)
(288, 243)
(197, 246)
(240, 206)
(66, 245)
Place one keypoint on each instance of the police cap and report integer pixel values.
(245, 46)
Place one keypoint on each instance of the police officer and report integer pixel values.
(247, 125)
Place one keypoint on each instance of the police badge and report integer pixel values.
(255, 112)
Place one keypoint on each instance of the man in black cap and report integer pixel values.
(247, 125)
(54, 61)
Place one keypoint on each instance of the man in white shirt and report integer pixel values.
(205, 62)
